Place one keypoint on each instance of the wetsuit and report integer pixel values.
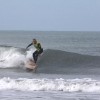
(38, 51)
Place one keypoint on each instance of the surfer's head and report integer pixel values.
(34, 41)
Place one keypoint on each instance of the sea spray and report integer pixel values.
(13, 57)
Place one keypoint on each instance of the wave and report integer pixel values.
(52, 61)
(66, 85)
(67, 62)
(11, 56)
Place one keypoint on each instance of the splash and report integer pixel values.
(13, 57)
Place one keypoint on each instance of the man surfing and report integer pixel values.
(38, 51)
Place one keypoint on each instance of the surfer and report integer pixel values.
(38, 51)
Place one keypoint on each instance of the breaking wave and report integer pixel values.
(13, 56)
(52, 61)
(66, 85)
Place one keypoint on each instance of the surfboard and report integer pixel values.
(30, 65)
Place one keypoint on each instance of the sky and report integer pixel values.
(50, 15)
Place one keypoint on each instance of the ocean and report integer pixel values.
(68, 69)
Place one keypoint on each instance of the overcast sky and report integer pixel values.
(50, 15)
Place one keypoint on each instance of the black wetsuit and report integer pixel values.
(38, 51)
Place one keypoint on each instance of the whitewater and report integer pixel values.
(68, 69)
(66, 85)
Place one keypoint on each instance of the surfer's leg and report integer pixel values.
(35, 56)
(41, 51)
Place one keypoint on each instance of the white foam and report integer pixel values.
(12, 57)
(30, 53)
(72, 85)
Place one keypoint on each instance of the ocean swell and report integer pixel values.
(57, 61)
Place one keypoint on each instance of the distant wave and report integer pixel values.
(66, 85)
(52, 61)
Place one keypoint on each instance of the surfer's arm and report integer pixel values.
(29, 45)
